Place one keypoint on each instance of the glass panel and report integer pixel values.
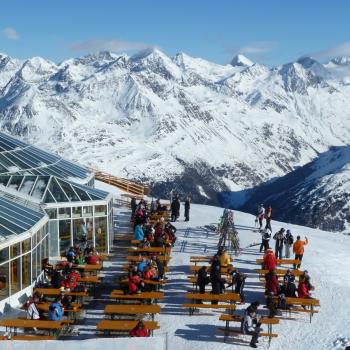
(15, 182)
(27, 184)
(101, 234)
(82, 194)
(64, 213)
(53, 232)
(15, 266)
(67, 188)
(4, 281)
(15, 250)
(64, 232)
(4, 255)
(49, 198)
(87, 211)
(38, 260)
(57, 192)
(26, 246)
(76, 212)
(40, 187)
(100, 210)
(79, 231)
(4, 179)
(26, 270)
(52, 213)
(33, 264)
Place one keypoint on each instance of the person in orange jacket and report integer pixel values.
(298, 250)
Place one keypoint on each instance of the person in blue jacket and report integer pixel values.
(138, 233)
(56, 310)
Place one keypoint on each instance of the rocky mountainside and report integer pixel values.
(179, 122)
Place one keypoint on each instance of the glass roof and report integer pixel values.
(16, 216)
(18, 158)
(50, 189)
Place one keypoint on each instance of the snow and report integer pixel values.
(326, 258)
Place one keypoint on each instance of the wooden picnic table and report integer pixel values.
(52, 292)
(137, 242)
(72, 312)
(136, 258)
(228, 297)
(224, 270)
(89, 268)
(132, 309)
(200, 259)
(13, 324)
(281, 272)
(123, 326)
(119, 295)
(264, 320)
(89, 280)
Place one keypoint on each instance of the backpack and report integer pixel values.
(290, 239)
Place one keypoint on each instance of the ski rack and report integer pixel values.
(228, 234)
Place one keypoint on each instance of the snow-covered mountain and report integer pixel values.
(180, 121)
(316, 194)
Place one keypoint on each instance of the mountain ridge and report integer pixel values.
(182, 122)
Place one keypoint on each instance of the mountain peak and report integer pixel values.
(241, 61)
(341, 61)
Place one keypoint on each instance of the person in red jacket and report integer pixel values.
(71, 280)
(303, 289)
(134, 283)
(139, 330)
(272, 285)
(270, 261)
(92, 259)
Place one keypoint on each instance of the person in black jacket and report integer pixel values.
(133, 206)
(279, 238)
(187, 209)
(175, 208)
(202, 279)
(215, 277)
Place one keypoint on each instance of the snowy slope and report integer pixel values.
(179, 121)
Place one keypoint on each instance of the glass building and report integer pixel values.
(24, 242)
(47, 205)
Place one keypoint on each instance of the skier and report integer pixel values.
(288, 243)
(265, 239)
(187, 208)
(261, 214)
(270, 261)
(238, 279)
(279, 237)
(202, 279)
(268, 217)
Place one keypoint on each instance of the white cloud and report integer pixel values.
(260, 47)
(335, 51)
(10, 33)
(108, 45)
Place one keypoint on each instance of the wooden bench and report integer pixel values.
(53, 292)
(193, 307)
(71, 313)
(224, 270)
(31, 337)
(158, 250)
(135, 258)
(229, 298)
(281, 261)
(128, 267)
(132, 309)
(118, 295)
(308, 303)
(122, 326)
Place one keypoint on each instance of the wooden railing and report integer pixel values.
(124, 184)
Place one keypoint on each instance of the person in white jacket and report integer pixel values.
(260, 215)
(32, 311)
(251, 323)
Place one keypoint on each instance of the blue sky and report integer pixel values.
(267, 31)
